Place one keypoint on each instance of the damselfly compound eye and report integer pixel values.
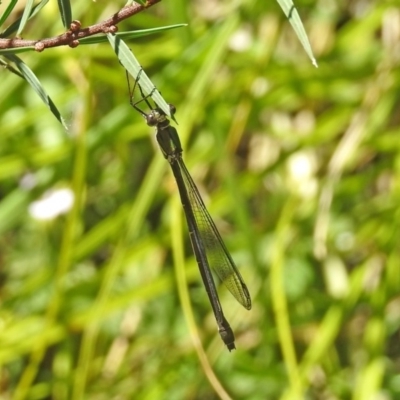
(151, 120)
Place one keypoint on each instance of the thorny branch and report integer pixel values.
(75, 32)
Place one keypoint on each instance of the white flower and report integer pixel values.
(52, 204)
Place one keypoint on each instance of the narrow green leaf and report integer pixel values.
(131, 64)
(17, 50)
(10, 68)
(293, 16)
(7, 12)
(16, 24)
(66, 12)
(25, 16)
(31, 78)
(129, 34)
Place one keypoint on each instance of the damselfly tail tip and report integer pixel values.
(227, 335)
(231, 347)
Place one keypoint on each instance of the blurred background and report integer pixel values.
(298, 166)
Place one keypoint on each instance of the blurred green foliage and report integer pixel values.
(298, 166)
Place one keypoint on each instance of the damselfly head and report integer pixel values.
(154, 118)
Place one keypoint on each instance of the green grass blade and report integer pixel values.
(279, 301)
(11, 208)
(291, 13)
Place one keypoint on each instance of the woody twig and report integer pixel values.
(76, 32)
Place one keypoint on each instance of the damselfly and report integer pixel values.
(208, 246)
